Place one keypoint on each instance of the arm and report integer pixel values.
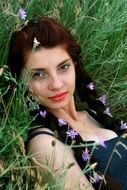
(47, 150)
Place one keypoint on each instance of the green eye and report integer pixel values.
(64, 67)
(38, 75)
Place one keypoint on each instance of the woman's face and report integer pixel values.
(53, 76)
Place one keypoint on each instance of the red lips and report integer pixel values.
(58, 97)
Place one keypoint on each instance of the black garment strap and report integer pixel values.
(34, 134)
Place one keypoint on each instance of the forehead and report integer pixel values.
(46, 57)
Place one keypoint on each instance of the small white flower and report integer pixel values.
(35, 43)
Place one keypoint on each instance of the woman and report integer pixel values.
(47, 53)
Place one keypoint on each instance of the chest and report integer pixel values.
(89, 129)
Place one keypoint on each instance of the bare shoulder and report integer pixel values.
(46, 151)
(44, 147)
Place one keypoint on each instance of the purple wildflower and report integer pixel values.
(90, 86)
(86, 155)
(62, 122)
(22, 14)
(103, 99)
(107, 111)
(123, 125)
(72, 133)
(43, 113)
(96, 178)
(101, 141)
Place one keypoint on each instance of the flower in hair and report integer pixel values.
(35, 43)
(107, 111)
(101, 141)
(22, 14)
(123, 125)
(72, 133)
(62, 122)
(96, 178)
(86, 155)
(90, 86)
(103, 99)
(43, 113)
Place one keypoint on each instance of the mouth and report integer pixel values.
(58, 97)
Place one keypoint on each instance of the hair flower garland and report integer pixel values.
(90, 86)
(43, 113)
(123, 125)
(103, 99)
(107, 111)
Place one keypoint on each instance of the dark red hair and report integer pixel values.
(48, 32)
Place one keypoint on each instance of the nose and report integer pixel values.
(55, 82)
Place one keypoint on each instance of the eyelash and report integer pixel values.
(38, 75)
(64, 67)
(41, 75)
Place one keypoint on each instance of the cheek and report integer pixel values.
(36, 87)
(71, 79)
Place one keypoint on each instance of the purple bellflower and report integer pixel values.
(22, 13)
(123, 125)
(103, 99)
(62, 122)
(96, 178)
(90, 86)
(86, 155)
(72, 133)
(101, 141)
(43, 113)
(107, 111)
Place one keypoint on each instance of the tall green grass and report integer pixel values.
(100, 27)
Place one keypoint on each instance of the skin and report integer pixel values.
(53, 72)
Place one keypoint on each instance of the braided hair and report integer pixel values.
(49, 33)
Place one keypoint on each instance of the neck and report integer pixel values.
(68, 113)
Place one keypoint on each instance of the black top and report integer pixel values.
(113, 158)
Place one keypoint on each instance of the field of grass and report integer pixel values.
(100, 27)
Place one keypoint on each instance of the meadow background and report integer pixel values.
(100, 27)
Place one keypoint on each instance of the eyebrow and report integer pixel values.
(42, 69)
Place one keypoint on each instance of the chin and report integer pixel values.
(58, 105)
